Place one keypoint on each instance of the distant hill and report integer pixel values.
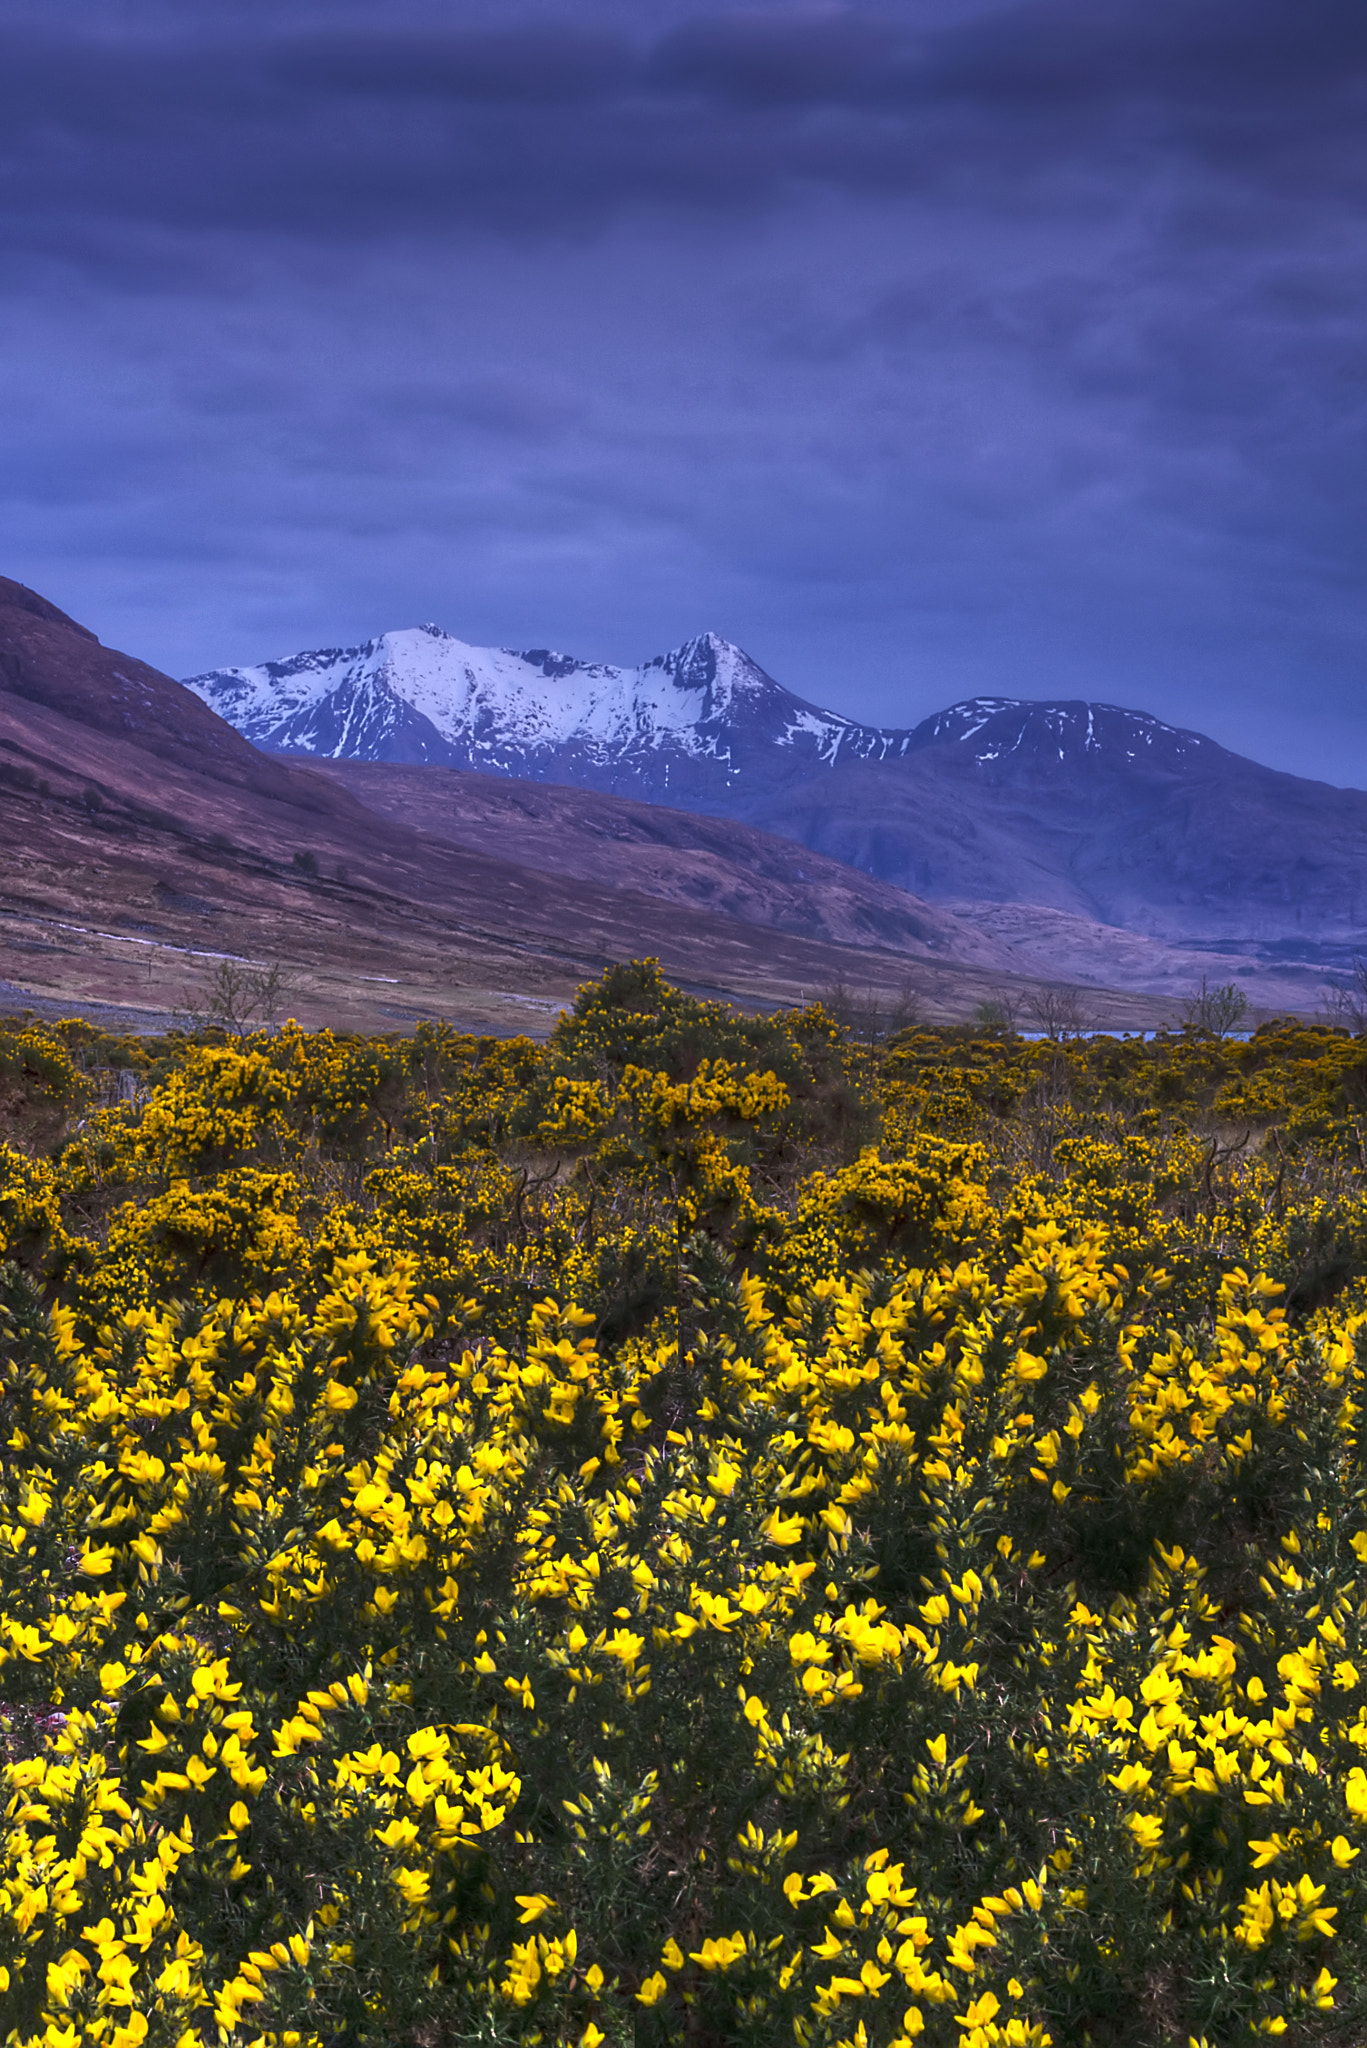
(1104, 813)
(1091, 809)
(704, 863)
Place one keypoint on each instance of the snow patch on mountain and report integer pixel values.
(1007, 726)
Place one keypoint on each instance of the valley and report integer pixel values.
(1081, 839)
(767, 879)
(145, 842)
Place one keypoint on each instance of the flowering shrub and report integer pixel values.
(574, 1545)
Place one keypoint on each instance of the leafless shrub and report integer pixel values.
(1345, 1002)
(1059, 1013)
(240, 998)
(1217, 1011)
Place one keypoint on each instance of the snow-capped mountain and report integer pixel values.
(703, 725)
(698, 716)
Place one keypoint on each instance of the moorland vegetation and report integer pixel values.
(704, 1531)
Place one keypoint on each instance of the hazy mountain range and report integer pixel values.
(1102, 813)
(148, 845)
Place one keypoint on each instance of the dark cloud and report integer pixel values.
(785, 61)
(557, 64)
(552, 122)
(929, 346)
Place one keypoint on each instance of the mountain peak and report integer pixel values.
(719, 670)
(1001, 729)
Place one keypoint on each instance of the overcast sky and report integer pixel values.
(926, 350)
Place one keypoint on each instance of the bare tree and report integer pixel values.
(273, 990)
(240, 998)
(1059, 1013)
(996, 1016)
(1345, 1003)
(869, 1015)
(1216, 1011)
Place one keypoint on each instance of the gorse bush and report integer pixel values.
(703, 1532)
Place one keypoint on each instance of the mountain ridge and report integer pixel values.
(420, 694)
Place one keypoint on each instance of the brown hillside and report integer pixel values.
(761, 878)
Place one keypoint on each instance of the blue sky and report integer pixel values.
(1009, 346)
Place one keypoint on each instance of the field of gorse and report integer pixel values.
(705, 1531)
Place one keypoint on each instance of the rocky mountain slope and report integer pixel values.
(1103, 813)
(144, 844)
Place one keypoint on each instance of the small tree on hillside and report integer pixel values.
(996, 1017)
